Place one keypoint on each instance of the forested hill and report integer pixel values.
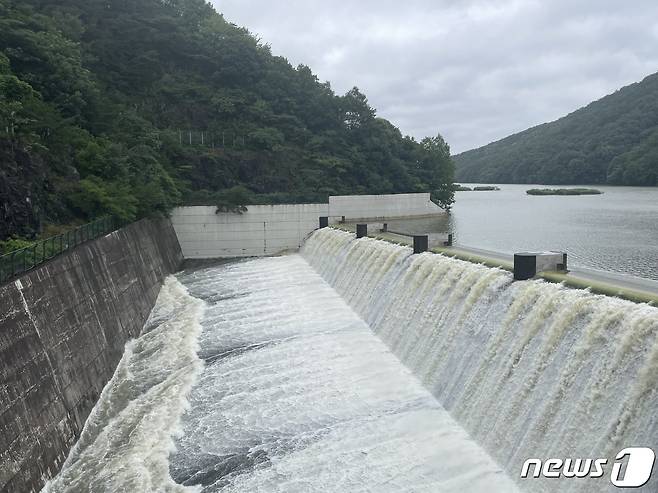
(130, 107)
(611, 141)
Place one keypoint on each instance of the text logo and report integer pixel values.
(632, 467)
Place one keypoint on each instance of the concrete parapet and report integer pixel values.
(274, 229)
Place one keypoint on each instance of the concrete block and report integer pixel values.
(421, 243)
(528, 264)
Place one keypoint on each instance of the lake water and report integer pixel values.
(616, 231)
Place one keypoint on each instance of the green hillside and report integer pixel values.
(611, 141)
(130, 107)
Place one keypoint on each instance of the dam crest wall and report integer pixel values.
(264, 230)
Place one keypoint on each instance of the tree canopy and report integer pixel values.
(611, 141)
(130, 107)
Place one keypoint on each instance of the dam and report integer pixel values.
(356, 365)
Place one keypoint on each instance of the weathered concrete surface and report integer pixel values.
(63, 327)
(386, 206)
(261, 230)
(273, 229)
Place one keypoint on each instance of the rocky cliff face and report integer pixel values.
(22, 177)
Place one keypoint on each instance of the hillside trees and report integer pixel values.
(101, 98)
(610, 141)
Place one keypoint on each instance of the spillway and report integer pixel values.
(529, 369)
(357, 366)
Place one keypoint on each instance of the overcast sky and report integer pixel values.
(473, 70)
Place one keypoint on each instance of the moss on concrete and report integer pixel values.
(600, 288)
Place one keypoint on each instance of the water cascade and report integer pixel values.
(530, 369)
(128, 437)
(298, 395)
(357, 366)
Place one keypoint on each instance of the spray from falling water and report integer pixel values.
(298, 393)
(530, 369)
(127, 439)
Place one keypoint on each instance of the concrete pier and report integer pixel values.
(528, 264)
(421, 243)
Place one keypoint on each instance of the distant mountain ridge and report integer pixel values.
(611, 141)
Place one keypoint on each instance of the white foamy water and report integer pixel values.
(299, 395)
(529, 369)
(357, 366)
(127, 439)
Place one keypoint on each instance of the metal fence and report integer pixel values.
(214, 139)
(17, 262)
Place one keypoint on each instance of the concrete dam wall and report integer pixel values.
(63, 328)
(273, 229)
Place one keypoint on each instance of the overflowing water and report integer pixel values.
(129, 435)
(529, 369)
(357, 366)
(299, 395)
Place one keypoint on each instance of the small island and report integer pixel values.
(563, 191)
(487, 188)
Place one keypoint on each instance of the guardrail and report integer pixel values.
(17, 262)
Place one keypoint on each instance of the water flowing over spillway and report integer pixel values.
(530, 369)
(357, 366)
(127, 439)
(298, 395)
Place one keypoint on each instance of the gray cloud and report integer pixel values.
(473, 70)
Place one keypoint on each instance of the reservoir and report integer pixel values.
(616, 231)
